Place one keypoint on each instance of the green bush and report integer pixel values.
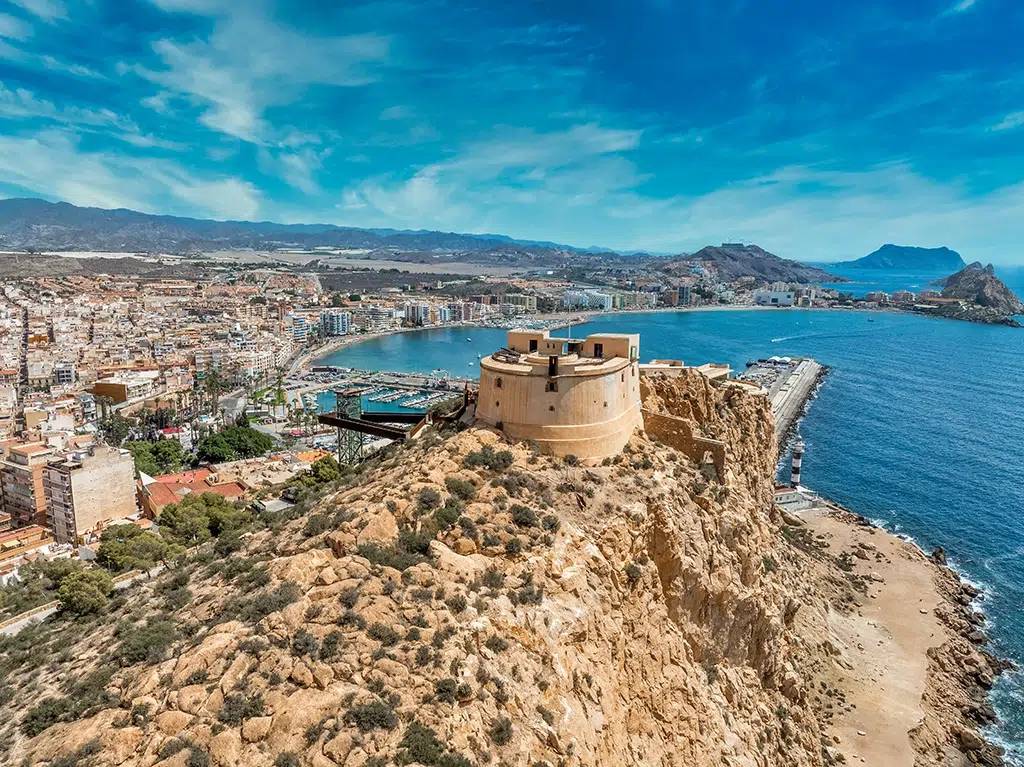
(397, 557)
(493, 578)
(495, 643)
(427, 499)
(456, 603)
(148, 642)
(85, 592)
(447, 516)
(286, 759)
(421, 745)
(377, 715)
(330, 644)
(488, 458)
(523, 516)
(513, 546)
(501, 732)
(304, 643)
(444, 690)
(386, 635)
(316, 524)
(460, 488)
(238, 707)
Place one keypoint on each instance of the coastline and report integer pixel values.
(560, 320)
(908, 654)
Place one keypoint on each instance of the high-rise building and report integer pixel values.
(335, 323)
(685, 295)
(87, 489)
(21, 476)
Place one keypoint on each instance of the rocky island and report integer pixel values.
(465, 598)
(977, 295)
(910, 258)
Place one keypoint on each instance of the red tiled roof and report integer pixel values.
(164, 493)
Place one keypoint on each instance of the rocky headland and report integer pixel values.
(460, 600)
(981, 297)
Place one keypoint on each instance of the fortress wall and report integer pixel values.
(678, 433)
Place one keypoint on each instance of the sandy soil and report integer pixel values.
(886, 638)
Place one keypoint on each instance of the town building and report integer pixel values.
(87, 489)
(125, 387)
(155, 493)
(773, 297)
(335, 323)
(568, 396)
(21, 477)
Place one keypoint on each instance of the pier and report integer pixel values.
(790, 382)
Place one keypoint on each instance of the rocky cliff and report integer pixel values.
(979, 285)
(464, 601)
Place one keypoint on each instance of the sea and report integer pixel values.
(919, 425)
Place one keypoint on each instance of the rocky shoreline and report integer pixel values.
(961, 672)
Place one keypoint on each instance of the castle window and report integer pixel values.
(551, 408)
(497, 403)
(551, 386)
(497, 382)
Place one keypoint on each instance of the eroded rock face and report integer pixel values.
(618, 614)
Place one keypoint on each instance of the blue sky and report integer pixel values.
(818, 130)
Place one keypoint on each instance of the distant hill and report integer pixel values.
(979, 285)
(908, 257)
(33, 224)
(733, 261)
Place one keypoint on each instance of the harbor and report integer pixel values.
(790, 383)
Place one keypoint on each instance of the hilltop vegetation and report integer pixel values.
(462, 601)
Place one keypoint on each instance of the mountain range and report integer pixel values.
(28, 224)
(907, 257)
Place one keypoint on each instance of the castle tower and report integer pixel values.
(570, 397)
(798, 457)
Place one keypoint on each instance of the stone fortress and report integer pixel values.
(569, 396)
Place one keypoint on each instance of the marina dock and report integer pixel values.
(790, 382)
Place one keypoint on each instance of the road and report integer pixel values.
(29, 620)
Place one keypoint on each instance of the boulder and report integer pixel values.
(382, 528)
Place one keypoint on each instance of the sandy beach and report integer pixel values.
(890, 648)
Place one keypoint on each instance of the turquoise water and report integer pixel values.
(918, 426)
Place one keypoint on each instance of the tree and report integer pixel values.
(233, 443)
(165, 456)
(115, 429)
(128, 547)
(85, 592)
(198, 516)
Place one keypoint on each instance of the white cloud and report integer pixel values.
(47, 10)
(13, 28)
(77, 70)
(51, 163)
(250, 63)
(298, 169)
(21, 104)
(963, 5)
(1011, 121)
(395, 113)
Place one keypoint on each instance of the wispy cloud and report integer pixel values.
(53, 164)
(13, 28)
(47, 10)
(1011, 121)
(251, 62)
(962, 6)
